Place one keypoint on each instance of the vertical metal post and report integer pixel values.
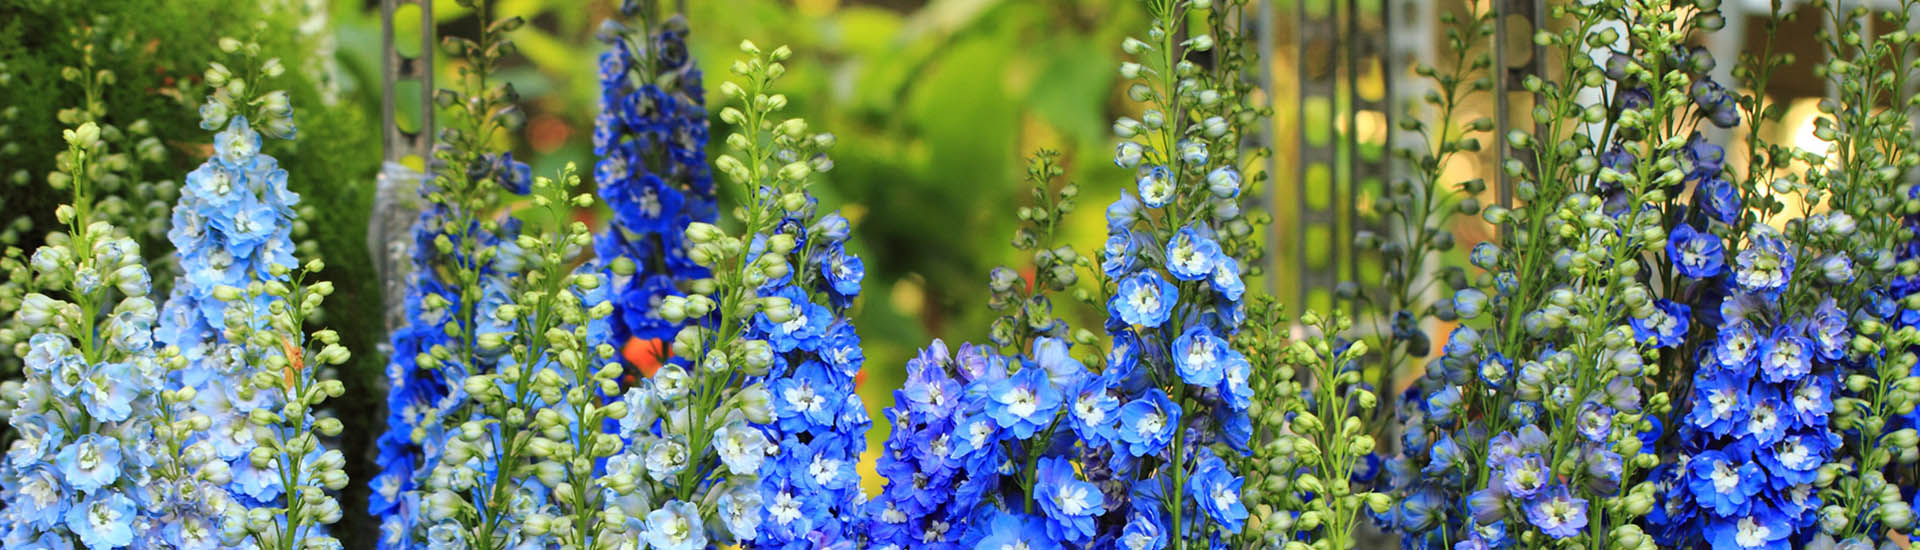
(395, 193)
(1512, 79)
(1367, 171)
(1337, 52)
(394, 69)
(1318, 170)
(1270, 133)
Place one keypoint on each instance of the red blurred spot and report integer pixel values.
(547, 133)
(859, 379)
(647, 355)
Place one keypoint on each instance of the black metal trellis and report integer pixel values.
(1335, 169)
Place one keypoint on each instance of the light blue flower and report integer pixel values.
(1068, 503)
(1199, 356)
(742, 448)
(1145, 299)
(103, 521)
(1558, 513)
(675, 526)
(741, 510)
(90, 462)
(1190, 255)
(1156, 188)
(38, 496)
(1024, 402)
(1217, 491)
(1226, 278)
(1009, 530)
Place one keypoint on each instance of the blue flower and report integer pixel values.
(1557, 513)
(1069, 503)
(1762, 529)
(1828, 330)
(1444, 406)
(675, 526)
(1735, 345)
(1785, 356)
(1525, 476)
(1495, 370)
(1719, 403)
(1667, 327)
(1766, 264)
(842, 270)
(1147, 423)
(103, 521)
(1234, 387)
(514, 176)
(805, 400)
(1063, 371)
(1445, 460)
(975, 437)
(1092, 414)
(90, 462)
(1810, 400)
(1144, 530)
(1723, 485)
(1122, 213)
(1720, 199)
(1010, 530)
(1696, 254)
(1764, 422)
(804, 330)
(1594, 421)
(1145, 299)
(1704, 158)
(1024, 402)
(1796, 457)
(1190, 255)
(1199, 356)
(1217, 491)
(1226, 278)
(1119, 255)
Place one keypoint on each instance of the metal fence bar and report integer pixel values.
(1367, 170)
(1263, 31)
(1318, 170)
(396, 68)
(1512, 78)
(395, 193)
